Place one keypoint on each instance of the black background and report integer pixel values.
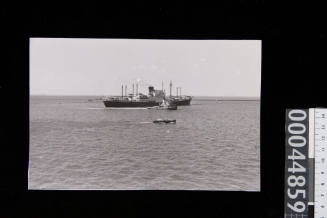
(293, 65)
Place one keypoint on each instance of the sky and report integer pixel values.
(60, 66)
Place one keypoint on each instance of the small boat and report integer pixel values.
(164, 121)
(165, 105)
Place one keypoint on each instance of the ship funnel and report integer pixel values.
(151, 90)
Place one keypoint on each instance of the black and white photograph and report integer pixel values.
(144, 114)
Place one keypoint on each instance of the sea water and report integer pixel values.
(77, 143)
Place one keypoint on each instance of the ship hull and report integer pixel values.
(134, 104)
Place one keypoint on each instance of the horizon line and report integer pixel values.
(85, 95)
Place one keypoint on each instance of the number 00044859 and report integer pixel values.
(296, 160)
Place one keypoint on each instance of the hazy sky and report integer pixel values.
(100, 66)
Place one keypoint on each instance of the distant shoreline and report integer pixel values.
(227, 99)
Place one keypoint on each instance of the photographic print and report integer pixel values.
(144, 114)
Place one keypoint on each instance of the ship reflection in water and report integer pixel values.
(155, 99)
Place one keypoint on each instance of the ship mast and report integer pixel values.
(122, 91)
(170, 86)
(133, 89)
(125, 90)
(137, 89)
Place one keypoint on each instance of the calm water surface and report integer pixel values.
(80, 144)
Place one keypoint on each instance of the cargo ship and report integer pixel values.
(155, 98)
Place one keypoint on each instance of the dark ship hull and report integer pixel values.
(109, 103)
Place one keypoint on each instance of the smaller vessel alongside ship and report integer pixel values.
(166, 105)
